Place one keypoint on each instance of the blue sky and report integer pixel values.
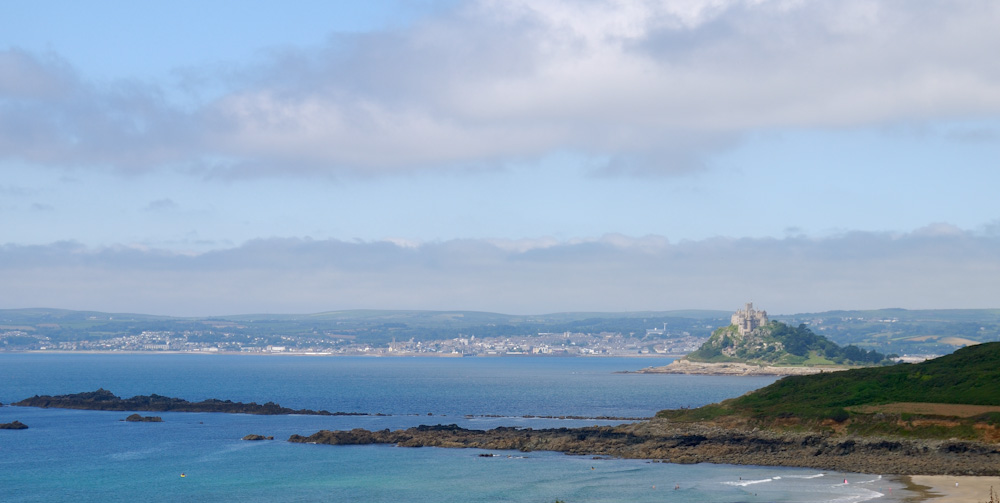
(521, 157)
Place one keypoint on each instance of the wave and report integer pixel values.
(744, 483)
(133, 455)
(815, 476)
(864, 495)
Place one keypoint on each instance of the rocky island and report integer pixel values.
(939, 417)
(103, 399)
(13, 425)
(136, 418)
(753, 345)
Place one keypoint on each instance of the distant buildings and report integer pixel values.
(748, 319)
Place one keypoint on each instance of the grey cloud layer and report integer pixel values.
(640, 86)
(937, 267)
(49, 115)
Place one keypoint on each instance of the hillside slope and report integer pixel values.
(850, 398)
(970, 375)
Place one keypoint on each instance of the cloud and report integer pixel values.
(16, 191)
(640, 86)
(161, 205)
(50, 116)
(858, 270)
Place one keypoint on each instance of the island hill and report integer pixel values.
(753, 345)
(939, 417)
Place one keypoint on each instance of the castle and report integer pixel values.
(748, 319)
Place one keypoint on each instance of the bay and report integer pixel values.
(94, 456)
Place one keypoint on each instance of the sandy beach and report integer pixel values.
(952, 488)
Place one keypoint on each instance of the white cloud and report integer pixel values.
(952, 269)
(646, 86)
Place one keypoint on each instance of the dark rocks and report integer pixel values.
(257, 437)
(16, 425)
(136, 418)
(103, 399)
(702, 443)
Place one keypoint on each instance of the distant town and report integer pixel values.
(546, 344)
(469, 333)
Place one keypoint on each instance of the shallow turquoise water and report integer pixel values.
(69, 455)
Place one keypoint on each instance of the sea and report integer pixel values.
(76, 455)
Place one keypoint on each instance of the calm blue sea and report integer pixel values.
(69, 455)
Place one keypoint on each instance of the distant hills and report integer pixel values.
(22, 329)
(887, 331)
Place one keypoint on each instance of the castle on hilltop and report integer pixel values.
(748, 319)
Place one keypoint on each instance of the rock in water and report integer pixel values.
(136, 418)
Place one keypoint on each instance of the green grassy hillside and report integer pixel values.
(970, 375)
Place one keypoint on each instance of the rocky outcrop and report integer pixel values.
(103, 399)
(733, 369)
(15, 425)
(702, 443)
(257, 437)
(136, 418)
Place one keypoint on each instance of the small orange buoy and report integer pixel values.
(182, 475)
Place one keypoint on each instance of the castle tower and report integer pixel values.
(747, 319)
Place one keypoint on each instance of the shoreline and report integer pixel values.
(309, 353)
(949, 488)
(692, 443)
(687, 367)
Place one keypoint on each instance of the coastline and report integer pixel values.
(682, 366)
(943, 488)
(691, 443)
(395, 354)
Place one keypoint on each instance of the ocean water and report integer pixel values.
(70, 455)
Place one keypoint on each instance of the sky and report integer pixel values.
(524, 157)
